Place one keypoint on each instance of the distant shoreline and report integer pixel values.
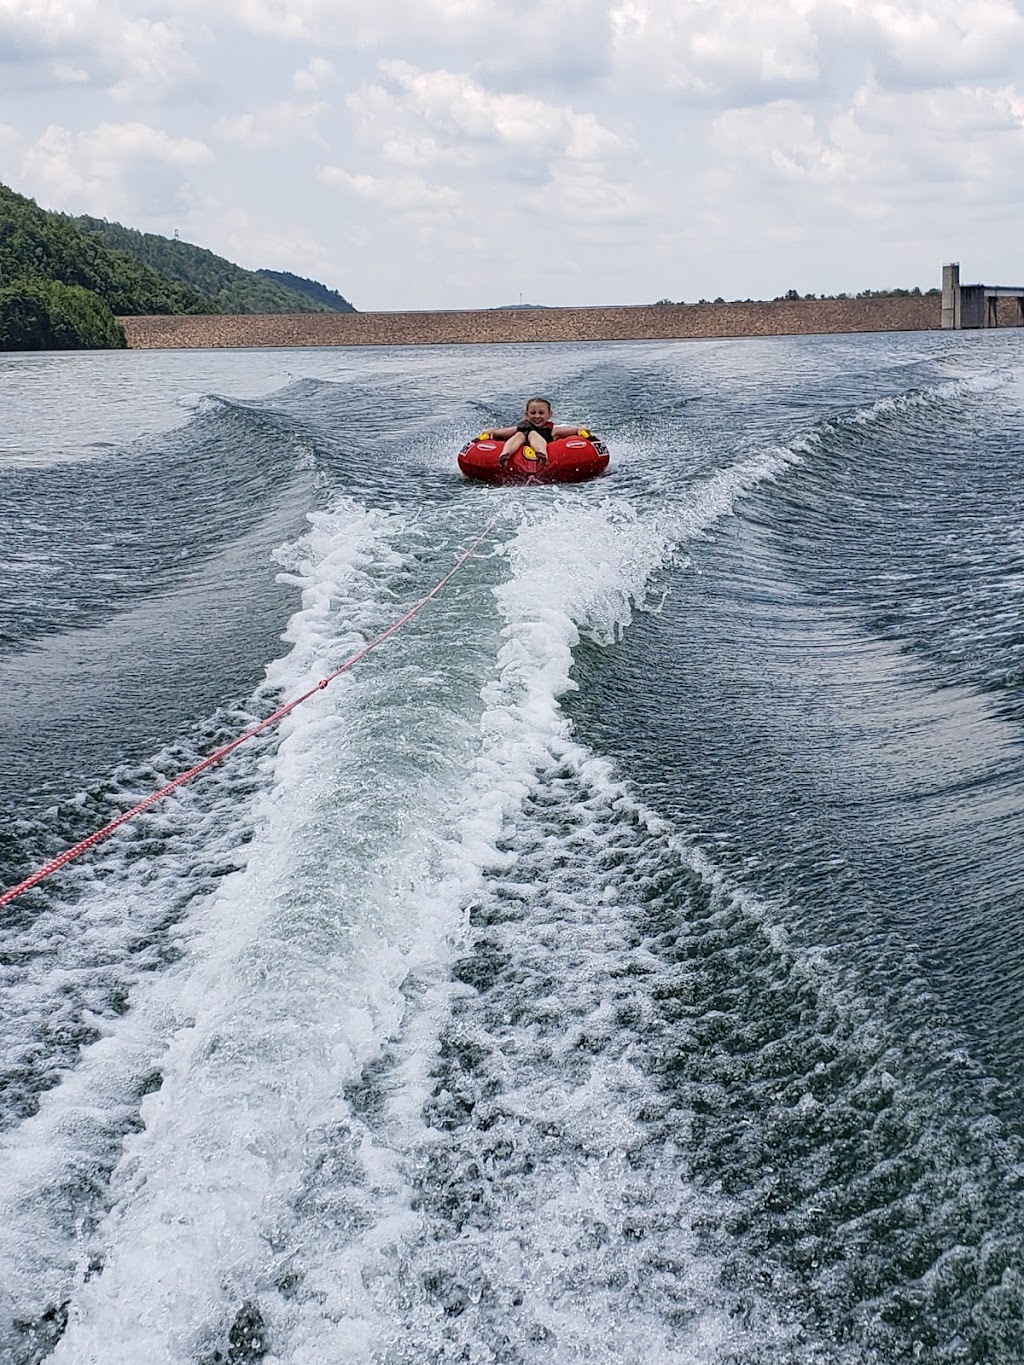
(650, 322)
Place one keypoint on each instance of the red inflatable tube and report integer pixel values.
(571, 459)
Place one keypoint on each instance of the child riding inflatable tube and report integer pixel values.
(568, 459)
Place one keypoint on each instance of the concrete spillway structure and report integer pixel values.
(977, 305)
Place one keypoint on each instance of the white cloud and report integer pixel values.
(471, 160)
(884, 146)
(243, 237)
(533, 41)
(66, 74)
(353, 22)
(934, 41)
(274, 126)
(860, 184)
(302, 20)
(150, 59)
(312, 77)
(749, 51)
(588, 197)
(777, 141)
(812, 140)
(403, 194)
(112, 169)
(732, 47)
(99, 42)
(415, 151)
(964, 141)
(434, 108)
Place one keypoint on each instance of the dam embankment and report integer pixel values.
(650, 322)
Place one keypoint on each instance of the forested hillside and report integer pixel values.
(232, 289)
(64, 281)
(330, 298)
(60, 289)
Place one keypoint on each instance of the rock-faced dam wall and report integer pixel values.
(653, 322)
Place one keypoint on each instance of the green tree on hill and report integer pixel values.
(61, 289)
(319, 293)
(64, 281)
(231, 288)
(36, 246)
(50, 316)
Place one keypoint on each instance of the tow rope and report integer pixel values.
(69, 854)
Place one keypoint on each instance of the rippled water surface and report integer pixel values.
(624, 962)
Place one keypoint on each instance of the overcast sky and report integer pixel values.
(464, 153)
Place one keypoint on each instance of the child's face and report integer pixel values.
(538, 412)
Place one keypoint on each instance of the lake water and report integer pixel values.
(624, 962)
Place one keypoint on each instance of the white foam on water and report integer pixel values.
(299, 970)
(369, 1247)
(79, 963)
(68, 1140)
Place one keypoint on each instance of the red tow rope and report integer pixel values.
(70, 854)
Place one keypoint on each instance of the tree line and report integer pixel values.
(64, 281)
(227, 287)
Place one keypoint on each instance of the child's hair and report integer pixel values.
(538, 398)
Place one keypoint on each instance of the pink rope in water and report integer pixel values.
(69, 854)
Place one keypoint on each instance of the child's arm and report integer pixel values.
(558, 432)
(501, 433)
